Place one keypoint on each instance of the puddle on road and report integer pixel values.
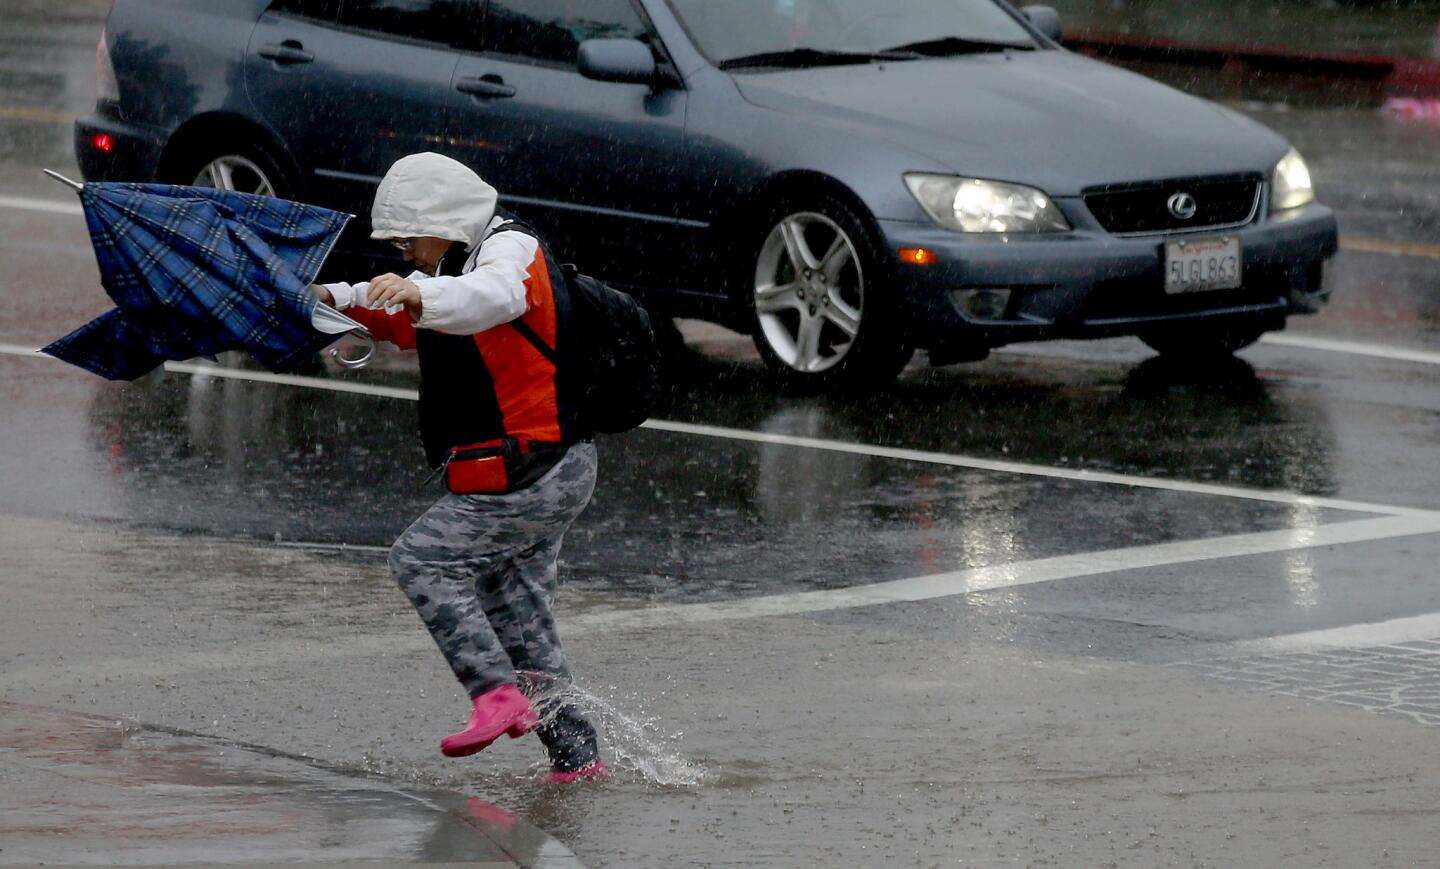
(633, 742)
(638, 748)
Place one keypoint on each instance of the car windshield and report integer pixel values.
(736, 33)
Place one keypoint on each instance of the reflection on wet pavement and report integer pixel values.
(717, 519)
(82, 790)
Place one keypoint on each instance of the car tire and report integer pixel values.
(1201, 341)
(814, 291)
(245, 167)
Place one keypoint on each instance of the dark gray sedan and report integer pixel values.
(848, 181)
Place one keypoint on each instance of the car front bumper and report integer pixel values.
(1090, 284)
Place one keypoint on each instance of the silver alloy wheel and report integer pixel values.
(233, 172)
(809, 305)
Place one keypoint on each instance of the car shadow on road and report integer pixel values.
(1214, 419)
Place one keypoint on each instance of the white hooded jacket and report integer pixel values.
(432, 195)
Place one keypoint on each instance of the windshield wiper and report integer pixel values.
(948, 46)
(803, 57)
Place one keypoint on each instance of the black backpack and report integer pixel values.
(618, 357)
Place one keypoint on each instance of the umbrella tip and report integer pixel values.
(75, 185)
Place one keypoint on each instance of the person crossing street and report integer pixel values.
(489, 313)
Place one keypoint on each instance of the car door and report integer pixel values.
(351, 86)
(591, 164)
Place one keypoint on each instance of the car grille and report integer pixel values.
(1145, 209)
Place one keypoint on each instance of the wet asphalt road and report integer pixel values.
(175, 555)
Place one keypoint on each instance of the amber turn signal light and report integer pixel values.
(918, 256)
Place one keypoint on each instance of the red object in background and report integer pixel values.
(1389, 76)
(103, 142)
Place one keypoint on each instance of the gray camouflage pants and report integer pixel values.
(480, 570)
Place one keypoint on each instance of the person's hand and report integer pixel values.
(388, 290)
(323, 294)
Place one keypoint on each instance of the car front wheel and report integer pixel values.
(821, 317)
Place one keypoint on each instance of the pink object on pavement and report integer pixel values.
(497, 712)
(1424, 110)
(594, 772)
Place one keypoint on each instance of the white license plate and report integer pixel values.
(1200, 264)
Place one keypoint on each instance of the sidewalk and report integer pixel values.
(85, 790)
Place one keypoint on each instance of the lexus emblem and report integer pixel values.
(1182, 206)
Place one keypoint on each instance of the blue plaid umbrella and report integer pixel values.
(195, 271)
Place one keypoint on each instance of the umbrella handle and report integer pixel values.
(356, 362)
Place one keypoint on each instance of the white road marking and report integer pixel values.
(1072, 349)
(1362, 636)
(1005, 467)
(1353, 348)
(46, 206)
(274, 653)
(1013, 575)
(870, 450)
(200, 369)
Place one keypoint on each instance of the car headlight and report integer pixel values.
(1290, 186)
(974, 205)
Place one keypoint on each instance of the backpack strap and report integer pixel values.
(513, 225)
(529, 334)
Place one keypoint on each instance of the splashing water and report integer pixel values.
(636, 744)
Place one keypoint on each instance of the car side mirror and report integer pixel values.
(628, 61)
(1045, 19)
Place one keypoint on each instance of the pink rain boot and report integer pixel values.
(497, 712)
(594, 772)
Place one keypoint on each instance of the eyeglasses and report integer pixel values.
(404, 245)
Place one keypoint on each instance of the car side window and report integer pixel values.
(440, 21)
(551, 30)
(321, 10)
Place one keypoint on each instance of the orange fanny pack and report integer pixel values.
(499, 467)
(481, 469)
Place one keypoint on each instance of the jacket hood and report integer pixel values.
(433, 195)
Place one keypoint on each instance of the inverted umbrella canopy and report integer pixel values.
(196, 271)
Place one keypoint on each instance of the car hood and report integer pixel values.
(1052, 119)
